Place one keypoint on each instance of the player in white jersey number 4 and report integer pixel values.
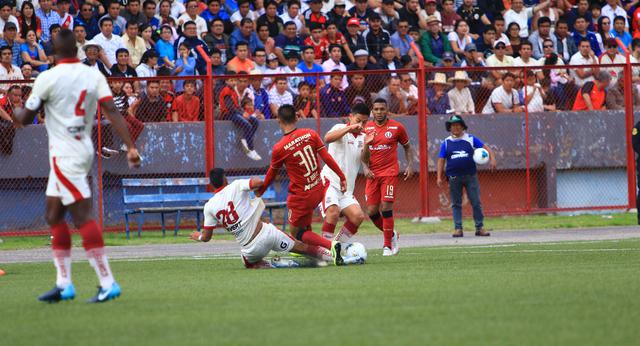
(70, 94)
(345, 146)
(233, 209)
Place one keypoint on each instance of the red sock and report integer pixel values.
(327, 230)
(91, 235)
(347, 231)
(388, 230)
(377, 220)
(308, 237)
(61, 236)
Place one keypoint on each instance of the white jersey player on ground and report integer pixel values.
(233, 208)
(345, 143)
(70, 94)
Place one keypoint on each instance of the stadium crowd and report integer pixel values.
(252, 39)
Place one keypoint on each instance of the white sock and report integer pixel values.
(327, 235)
(323, 254)
(344, 235)
(100, 264)
(62, 261)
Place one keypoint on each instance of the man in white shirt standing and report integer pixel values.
(584, 56)
(192, 15)
(504, 99)
(109, 42)
(612, 10)
(6, 17)
(521, 15)
(8, 71)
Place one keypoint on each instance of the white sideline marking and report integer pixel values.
(547, 250)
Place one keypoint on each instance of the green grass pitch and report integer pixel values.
(535, 294)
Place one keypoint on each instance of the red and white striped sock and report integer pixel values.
(94, 246)
(61, 244)
(328, 230)
(347, 231)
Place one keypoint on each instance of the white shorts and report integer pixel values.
(269, 238)
(333, 196)
(68, 178)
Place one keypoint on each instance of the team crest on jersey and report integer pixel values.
(388, 134)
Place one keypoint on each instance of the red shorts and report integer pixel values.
(301, 207)
(380, 189)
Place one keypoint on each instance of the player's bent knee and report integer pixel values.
(332, 214)
(357, 219)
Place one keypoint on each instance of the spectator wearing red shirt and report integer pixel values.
(186, 107)
(319, 43)
(592, 95)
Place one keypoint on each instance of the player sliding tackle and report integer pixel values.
(233, 209)
(298, 150)
(69, 94)
(380, 163)
(345, 146)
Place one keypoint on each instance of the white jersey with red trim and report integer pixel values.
(347, 152)
(233, 208)
(70, 93)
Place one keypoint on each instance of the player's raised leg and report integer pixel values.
(354, 218)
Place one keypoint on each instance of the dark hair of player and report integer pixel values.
(380, 100)
(216, 177)
(287, 114)
(65, 44)
(360, 108)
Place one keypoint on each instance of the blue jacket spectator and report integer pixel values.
(87, 19)
(244, 33)
(333, 101)
(192, 41)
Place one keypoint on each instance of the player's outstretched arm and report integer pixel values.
(408, 154)
(366, 156)
(119, 125)
(271, 175)
(203, 236)
(256, 183)
(335, 135)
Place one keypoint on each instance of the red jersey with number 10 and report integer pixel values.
(298, 151)
(384, 147)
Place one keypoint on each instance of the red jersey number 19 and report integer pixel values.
(307, 159)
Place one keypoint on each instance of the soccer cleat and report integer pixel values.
(336, 248)
(278, 262)
(394, 243)
(106, 295)
(387, 251)
(57, 294)
(245, 146)
(482, 233)
(457, 233)
(252, 154)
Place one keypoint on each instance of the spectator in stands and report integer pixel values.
(113, 13)
(431, 9)
(7, 128)
(133, 43)
(400, 40)
(47, 17)
(263, 37)
(612, 56)
(243, 12)
(150, 107)
(448, 16)
(460, 38)
(260, 60)
(308, 65)
(319, 42)
(66, 20)
(292, 67)
(303, 103)
(216, 38)
(27, 71)
(335, 37)
(581, 33)
(537, 37)
(513, 33)
(434, 43)
(521, 14)
(314, 13)
(396, 100)
(279, 95)
(8, 71)
(498, 59)
(165, 49)
(287, 42)
(437, 99)
(149, 36)
(410, 92)
(615, 96)
(271, 19)
(241, 61)
(334, 63)
(92, 53)
(132, 13)
(191, 15)
(244, 33)
(585, 56)
(86, 17)
(358, 91)
(292, 14)
(389, 16)
(214, 11)
(186, 107)
(354, 39)
(28, 20)
(362, 12)
(580, 10)
(485, 44)
(612, 10)
(122, 68)
(190, 38)
(504, 99)
(148, 66)
(149, 12)
(80, 32)
(525, 59)
(260, 96)
(108, 41)
(460, 100)
(333, 100)
(376, 38)
(164, 11)
(474, 17)
(604, 31)
(532, 94)
(620, 32)
(361, 62)
(9, 39)
(185, 66)
(388, 60)
(592, 95)
(565, 45)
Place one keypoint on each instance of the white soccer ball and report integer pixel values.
(481, 156)
(354, 253)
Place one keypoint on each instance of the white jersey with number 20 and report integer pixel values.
(235, 210)
(70, 93)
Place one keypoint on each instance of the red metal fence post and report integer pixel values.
(628, 111)
(422, 135)
(209, 137)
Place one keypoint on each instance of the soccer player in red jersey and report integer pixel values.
(380, 165)
(298, 151)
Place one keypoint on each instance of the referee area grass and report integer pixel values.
(583, 293)
(404, 226)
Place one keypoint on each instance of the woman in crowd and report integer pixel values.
(164, 47)
(146, 32)
(33, 53)
(29, 21)
(604, 31)
(460, 38)
(513, 33)
(185, 66)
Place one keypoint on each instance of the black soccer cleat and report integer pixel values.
(57, 294)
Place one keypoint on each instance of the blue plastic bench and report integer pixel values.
(176, 195)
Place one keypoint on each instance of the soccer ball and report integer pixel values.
(481, 156)
(354, 253)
